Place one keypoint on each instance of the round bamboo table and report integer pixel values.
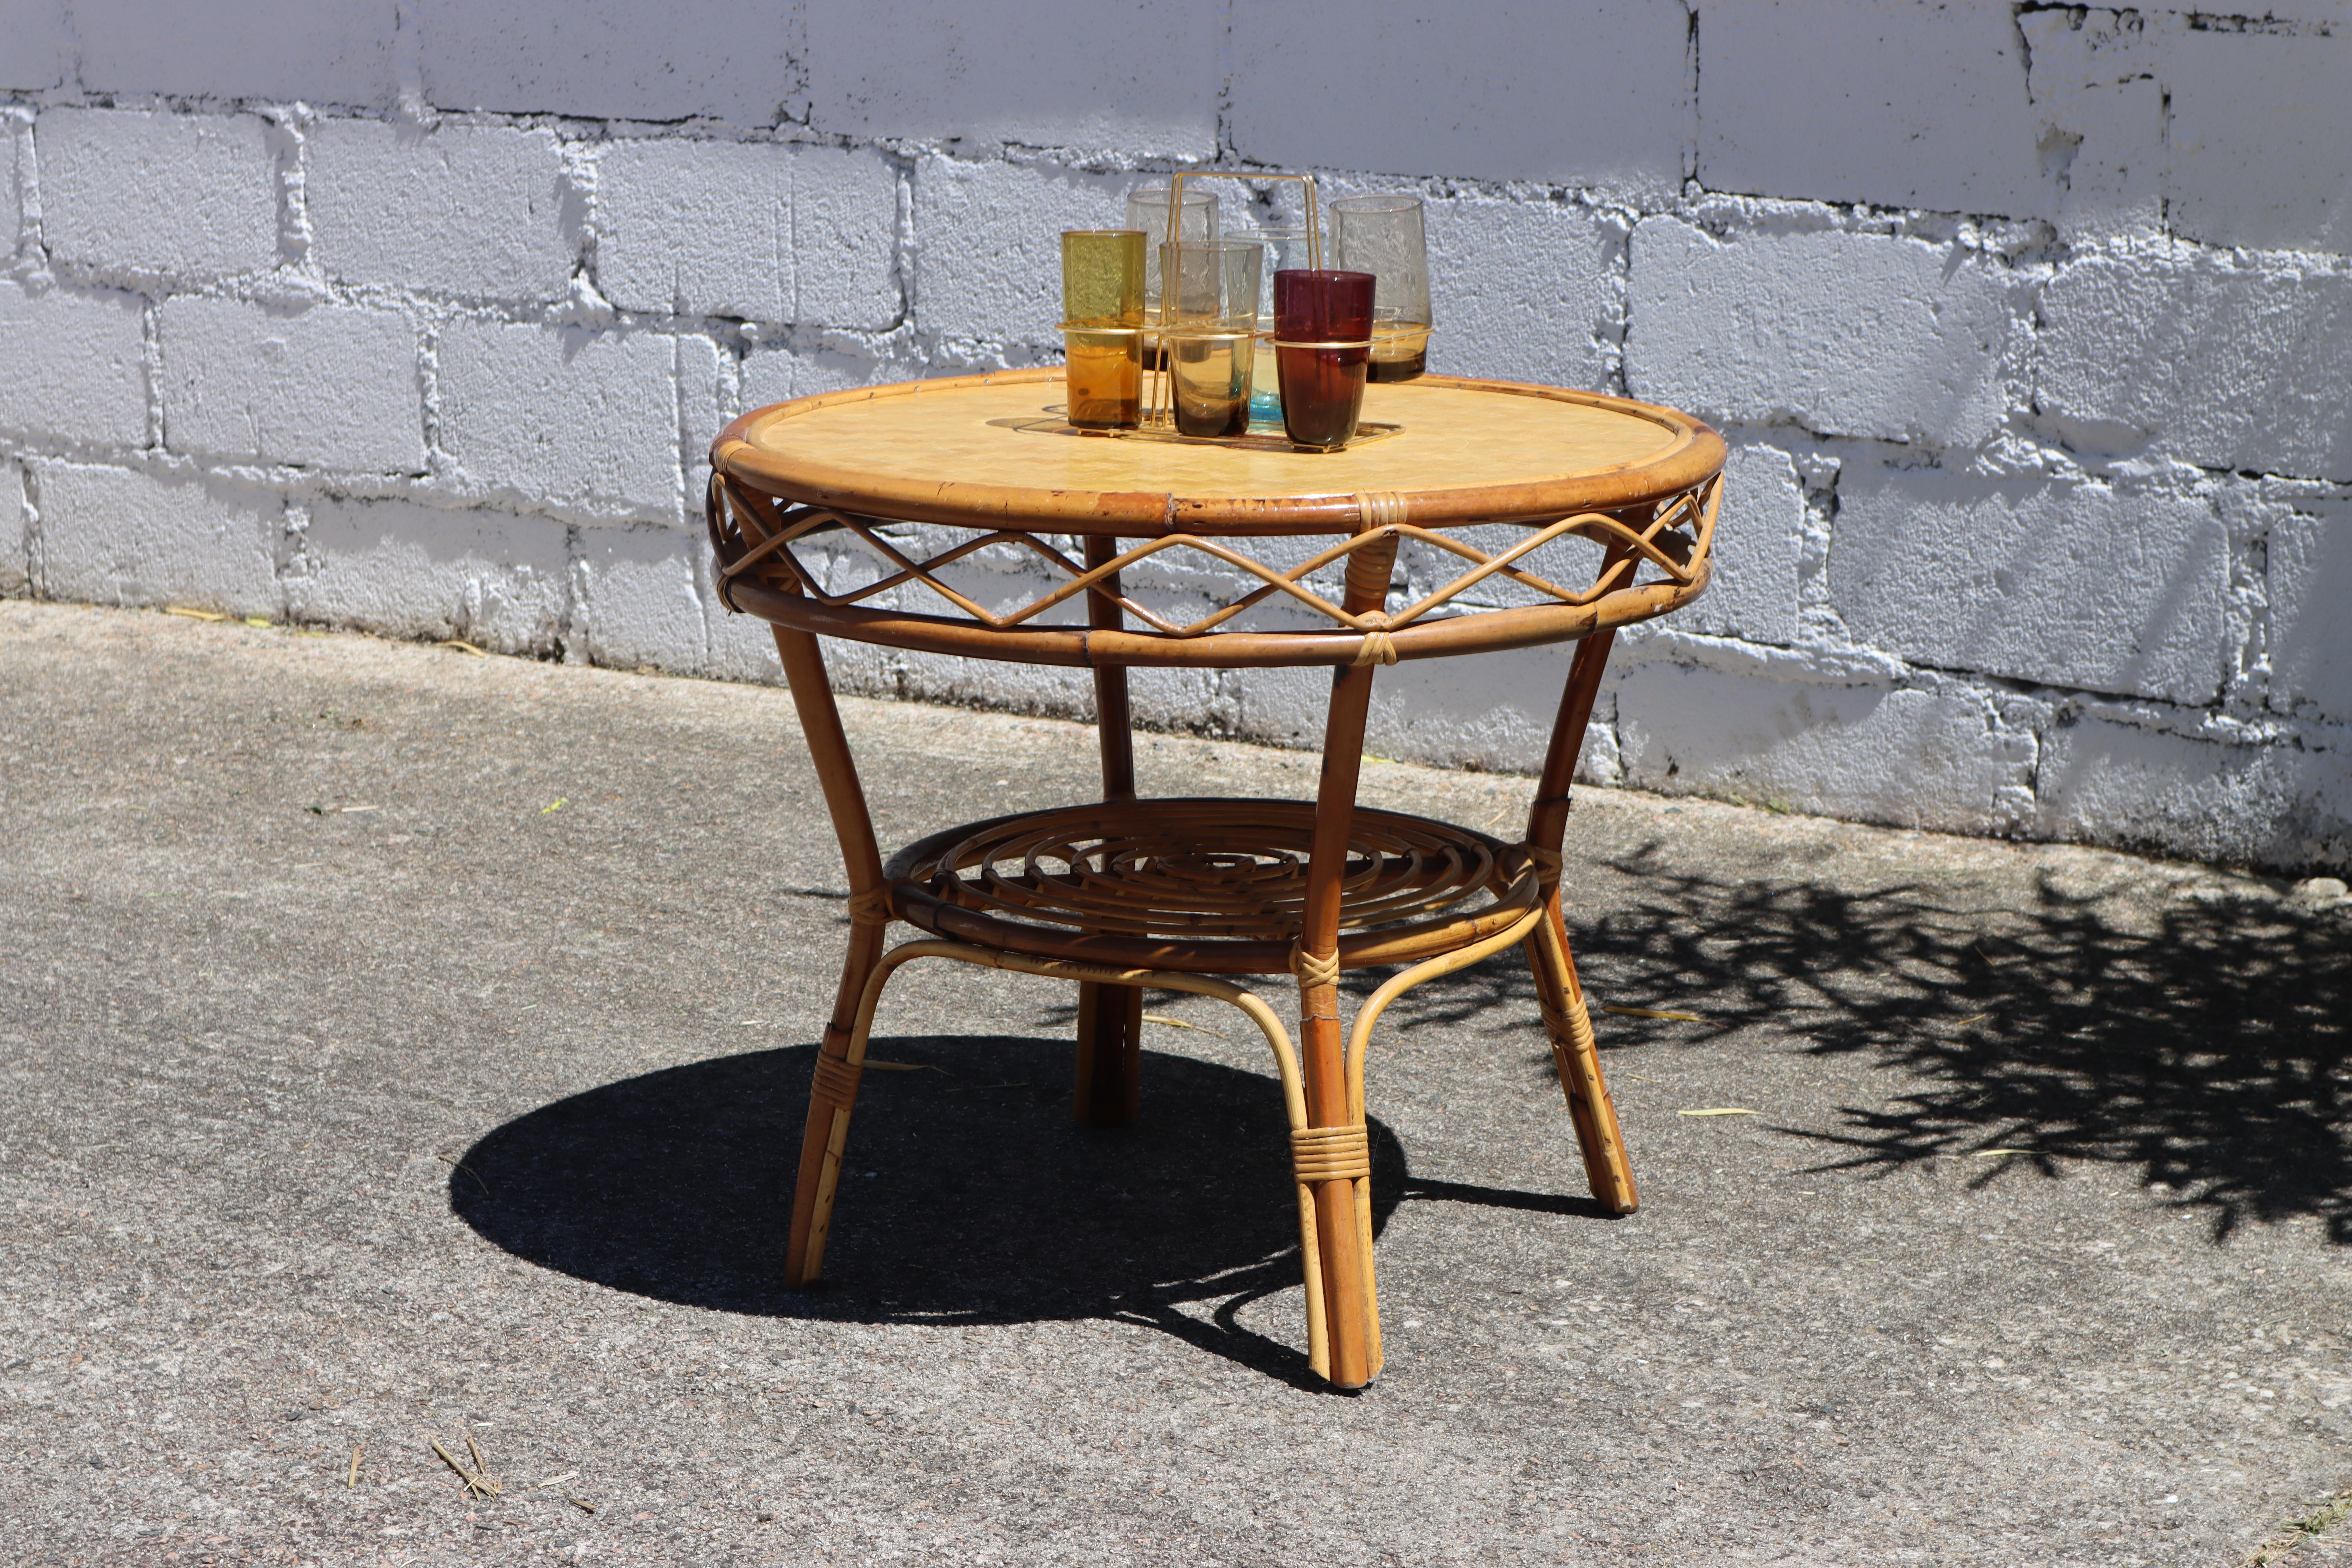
(936, 480)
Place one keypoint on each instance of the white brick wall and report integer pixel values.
(499, 582)
(2113, 780)
(182, 195)
(2229, 125)
(476, 211)
(988, 248)
(326, 386)
(583, 422)
(1846, 334)
(2083, 585)
(1410, 90)
(1759, 546)
(15, 535)
(638, 600)
(772, 374)
(1528, 292)
(325, 51)
(2098, 119)
(2310, 560)
(73, 370)
(1918, 758)
(681, 59)
(1838, 102)
(2260, 122)
(1126, 75)
(753, 230)
(1490, 713)
(40, 53)
(2221, 362)
(2029, 329)
(116, 536)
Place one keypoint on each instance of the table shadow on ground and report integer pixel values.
(2204, 1046)
(969, 1194)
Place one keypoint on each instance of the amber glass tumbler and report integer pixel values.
(1102, 325)
(1323, 329)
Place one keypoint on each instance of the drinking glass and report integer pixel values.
(1209, 323)
(1102, 325)
(1147, 209)
(1384, 236)
(1323, 326)
(1285, 250)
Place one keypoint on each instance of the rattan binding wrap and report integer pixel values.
(836, 1080)
(1314, 969)
(1331, 1153)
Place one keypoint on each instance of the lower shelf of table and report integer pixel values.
(1209, 885)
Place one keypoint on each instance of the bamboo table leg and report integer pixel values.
(1106, 1090)
(1107, 1086)
(1332, 1156)
(1566, 1019)
(833, 1092)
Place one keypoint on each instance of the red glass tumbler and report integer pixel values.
(1322, 333)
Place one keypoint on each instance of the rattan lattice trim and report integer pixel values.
(765, 530)
(1230, 868)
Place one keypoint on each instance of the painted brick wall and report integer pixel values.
(2031, 327)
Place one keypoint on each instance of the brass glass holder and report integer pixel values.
(1234, 349)
(1194, 382)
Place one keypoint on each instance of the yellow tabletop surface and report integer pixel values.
(991, 449)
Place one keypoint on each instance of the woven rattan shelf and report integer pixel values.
(1212, 886)
(926, 482)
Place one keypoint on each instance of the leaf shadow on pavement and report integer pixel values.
(969, 1194)
(2208, 1045)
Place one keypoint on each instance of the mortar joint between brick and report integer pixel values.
(289, 144)
(35, 543)
(2246, 612)
(1691, 76)
(32, 249)
(151, 353)
(904, 274)
(437, 460)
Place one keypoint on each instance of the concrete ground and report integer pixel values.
(405, 1046)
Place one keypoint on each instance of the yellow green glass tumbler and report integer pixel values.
(1102, 325)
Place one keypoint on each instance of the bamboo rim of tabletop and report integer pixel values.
(920, 483)
(1667, 535)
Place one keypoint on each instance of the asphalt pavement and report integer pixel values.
(401, 1046)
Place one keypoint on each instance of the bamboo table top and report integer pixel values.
(989, 451)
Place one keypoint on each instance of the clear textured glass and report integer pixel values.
(1208, 321)
(1213, 282)
(1323, 322)
(1147, 209)
(1102, 325)
(1287, 250)
(1385, 236)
